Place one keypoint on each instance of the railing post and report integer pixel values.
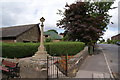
(66, 65)
(53, 68)
(57, 70)
(47, 68)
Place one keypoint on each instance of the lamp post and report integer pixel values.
(41, 53)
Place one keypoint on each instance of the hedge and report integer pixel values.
(63, 48)
(20, 50)
(112, 41)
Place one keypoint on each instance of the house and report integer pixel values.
(61, 34)
(22, 33)
(53, 35)
(116, 37)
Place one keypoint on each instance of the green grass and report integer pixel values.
(20, 50)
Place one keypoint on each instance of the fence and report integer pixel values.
(64, 66)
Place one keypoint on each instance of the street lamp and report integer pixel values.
(41, 53)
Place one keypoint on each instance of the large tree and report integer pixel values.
(85, 21)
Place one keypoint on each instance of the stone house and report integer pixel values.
(22, 33)
(116, 37)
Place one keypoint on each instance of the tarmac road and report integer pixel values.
(111, 51)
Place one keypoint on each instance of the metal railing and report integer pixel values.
(61, 67)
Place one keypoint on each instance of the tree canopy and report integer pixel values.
(85, 21)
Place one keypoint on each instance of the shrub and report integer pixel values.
(112, 41)
(20, 50)
(64, 48)
(48, 40)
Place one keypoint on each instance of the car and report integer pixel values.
(118, 42)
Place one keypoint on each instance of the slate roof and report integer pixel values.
(117, 35)
(14, 31)
(53, 35)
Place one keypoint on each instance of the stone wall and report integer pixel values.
(73, 64)
(31, 35)
(77, 61)
(32, 69)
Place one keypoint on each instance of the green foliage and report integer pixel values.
(64, 48)
(103, 43)
(108, 41)
(65, 38)
(85, 21)
(112, 41)
(20, 50)
(48, 40)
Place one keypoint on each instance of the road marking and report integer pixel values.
(108, 65)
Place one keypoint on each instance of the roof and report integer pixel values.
(116, 35)
(52, 35)
(14, 31)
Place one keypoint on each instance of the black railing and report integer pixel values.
(60, 67)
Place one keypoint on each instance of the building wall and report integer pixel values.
(31, 35)
(8, 39)
(61, 36)
(11, 41)
(117, 37)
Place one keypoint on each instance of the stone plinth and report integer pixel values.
(33, 69)
(40, 55)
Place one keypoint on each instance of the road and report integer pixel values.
(111, 51)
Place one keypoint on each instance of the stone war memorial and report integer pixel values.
(35, 66)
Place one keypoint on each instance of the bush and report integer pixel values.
(64, 48)
(112, 41)
(48, 40)
(20, 50)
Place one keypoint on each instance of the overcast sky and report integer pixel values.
(21, 12)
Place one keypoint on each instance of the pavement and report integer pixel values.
(94, 66)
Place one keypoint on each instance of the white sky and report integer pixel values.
(21, 12)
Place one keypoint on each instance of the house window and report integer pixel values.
(46, 36)
(25, 41)
(34, 41)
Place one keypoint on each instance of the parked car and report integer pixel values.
(118, 42)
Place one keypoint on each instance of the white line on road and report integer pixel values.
(108, 65)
